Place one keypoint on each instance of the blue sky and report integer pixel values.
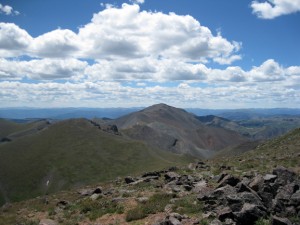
(204, 54)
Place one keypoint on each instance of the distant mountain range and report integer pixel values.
(113, 113)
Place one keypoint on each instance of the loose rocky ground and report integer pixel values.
(261, 187)
(191, 195)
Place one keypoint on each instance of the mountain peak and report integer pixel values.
(161, 106)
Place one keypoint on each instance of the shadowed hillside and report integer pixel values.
(71, 153)
(258, 128)
(10, 130)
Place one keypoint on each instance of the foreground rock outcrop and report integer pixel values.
(181, 196)
(275, 195)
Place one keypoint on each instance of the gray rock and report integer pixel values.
(177, 216)
(94, 197)
(266, 199)
(249, 214)
(235, 202)
(248, 197)
(174, 221)
(170, 176)
(229, 180)
(285, 192)
(222, 192)
(270, 178)
(284, 175)
(280, 221)
(257, 183)
(224, 213)
(278, 207)
(47, 222)
(215, 222)
(295, 199)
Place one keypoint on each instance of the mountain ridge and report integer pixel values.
(176, 130)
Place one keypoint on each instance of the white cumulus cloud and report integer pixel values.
(14, 41)
(124, 33)
(273, 8)
(42, 69)
(8, 10)
(137, 1)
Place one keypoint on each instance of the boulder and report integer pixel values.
(284, 175)
(221, 177)
(241, 187)
(270, 178)
(295, 199)
(230, 180)
(170, 176)
(222, 192)
(174, 221)
(224, 213)
(278, 207)
(203, 192)
(234, 202)
(249, 214)
(62, 204)
(284, 193)
(177, 216)
(266, 199)
(129, 180)
(90, 191)
(185, 180)
(280, 221)
(248, 197)
(94, 196)
(257, 183)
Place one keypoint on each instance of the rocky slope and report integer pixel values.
(231, 190)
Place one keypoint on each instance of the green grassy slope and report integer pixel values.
(72, 153)
(284, 151)
(14, 130)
